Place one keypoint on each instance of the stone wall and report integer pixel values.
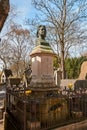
(65, 82)
(76, 83)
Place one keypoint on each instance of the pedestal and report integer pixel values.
(42, 67)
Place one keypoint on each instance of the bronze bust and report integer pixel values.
(41, 34)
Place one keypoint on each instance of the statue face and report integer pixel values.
(41, 32)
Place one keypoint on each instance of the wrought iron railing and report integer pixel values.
(45, 113)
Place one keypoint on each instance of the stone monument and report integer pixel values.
(47, 106)
(42, 63)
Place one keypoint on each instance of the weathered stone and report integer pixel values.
(42, 62)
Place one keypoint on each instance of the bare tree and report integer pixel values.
(10, 21)
(21, 45)
(65, 20)
(16, 43)
(5, 52)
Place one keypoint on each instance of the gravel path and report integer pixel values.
(1, 125)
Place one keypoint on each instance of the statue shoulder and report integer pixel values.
(41, 42)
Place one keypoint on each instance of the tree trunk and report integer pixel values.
(62, 61)
(4, 9)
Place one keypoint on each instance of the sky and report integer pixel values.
(24, 7)
(24, 11)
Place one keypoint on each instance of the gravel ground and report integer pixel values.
(1, 125)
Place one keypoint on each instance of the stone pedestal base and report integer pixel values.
(43, 87)
(42, 67)
(43, 91)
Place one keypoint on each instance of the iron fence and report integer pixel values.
(27, 112)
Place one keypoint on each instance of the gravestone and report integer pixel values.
(42, 62)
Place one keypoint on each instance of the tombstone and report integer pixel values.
(42, 61)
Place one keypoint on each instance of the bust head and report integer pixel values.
(41, 32)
